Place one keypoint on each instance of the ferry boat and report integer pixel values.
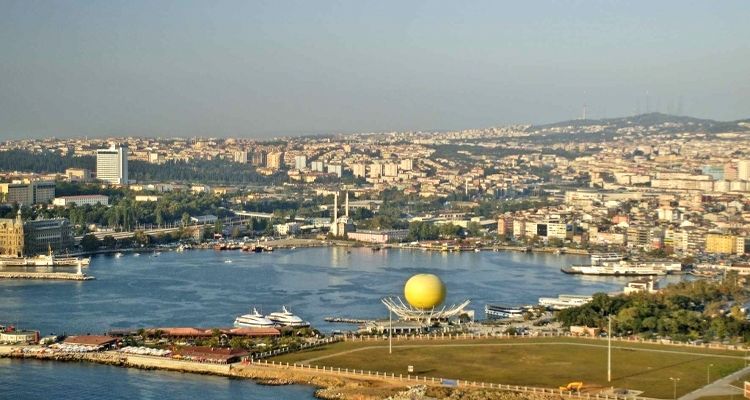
(626, 268)
(598, 259)
(44, 261)
(494, 311)
(564, 301)
(253, 320)
(286, 318)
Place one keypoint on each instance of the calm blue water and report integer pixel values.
(41, 380)
(198, 288)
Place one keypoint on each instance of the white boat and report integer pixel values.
(253, 320)
(286, 318)
(118, 255)
(227, 261)
(564, 301)
(136, 254)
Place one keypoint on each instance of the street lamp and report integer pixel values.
(708, 373)
(674, 390)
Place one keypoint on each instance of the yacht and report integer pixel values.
(253, 320)
(286, 318)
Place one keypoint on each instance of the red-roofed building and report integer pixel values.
(209, 354)
(96, 341)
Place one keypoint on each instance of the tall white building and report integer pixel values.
(743, 170)
(300, 162)
(112, 164)
(316, 166)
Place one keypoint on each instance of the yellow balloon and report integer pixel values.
(424, 291)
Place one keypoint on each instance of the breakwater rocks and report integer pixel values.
(65, 276)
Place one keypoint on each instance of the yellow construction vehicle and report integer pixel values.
(572, 387)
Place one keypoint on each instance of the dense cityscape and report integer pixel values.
(374, 200)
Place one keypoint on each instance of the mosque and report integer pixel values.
(341, 226)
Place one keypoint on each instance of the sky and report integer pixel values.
(272, 68)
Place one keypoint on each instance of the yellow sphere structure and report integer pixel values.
(424, 291)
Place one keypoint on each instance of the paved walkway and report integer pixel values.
(720, 387)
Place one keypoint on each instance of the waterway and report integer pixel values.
(206, 288)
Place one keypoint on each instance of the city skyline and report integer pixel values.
(261, 70)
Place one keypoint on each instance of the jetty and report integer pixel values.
(64, 276)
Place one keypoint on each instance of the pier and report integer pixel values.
(64, 276)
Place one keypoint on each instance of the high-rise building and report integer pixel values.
(376, 170)
(240, 156)
(390, 169)
(274, 160)
(359, 170)
(316, 166)
(406, 164)
(743, 170)
(300, 162)
(259, 158)
(335, 169)
(112, 164)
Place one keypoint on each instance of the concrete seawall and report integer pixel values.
(147, 362)
(65, 276)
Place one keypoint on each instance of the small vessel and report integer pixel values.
(118, 255)
(495, 311)
(136, 255)
(564, 301)
(286, 318)
(253, 320)
(227, 261)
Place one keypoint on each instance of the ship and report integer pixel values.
(626, 268)
(494, 311)
(286, 318)
(564, 301)
(253, 320)
(44, 260)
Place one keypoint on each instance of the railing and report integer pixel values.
(305, 346)
(441, 381)
(467, 336)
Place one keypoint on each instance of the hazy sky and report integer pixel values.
(244, 68)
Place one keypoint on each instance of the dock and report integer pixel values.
(64, 276)
(341, 320)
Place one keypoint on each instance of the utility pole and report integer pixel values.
(609, 349)
(708, 373)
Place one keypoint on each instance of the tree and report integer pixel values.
(90, 243)
(109, 242)
(185, 219)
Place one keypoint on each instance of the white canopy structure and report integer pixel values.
(407, 312)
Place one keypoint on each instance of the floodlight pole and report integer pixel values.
(609, 350)
(390, 331)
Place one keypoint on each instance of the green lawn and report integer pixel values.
(546, 362)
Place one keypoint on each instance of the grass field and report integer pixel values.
(546, 362)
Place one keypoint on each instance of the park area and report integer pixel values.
(540, 362)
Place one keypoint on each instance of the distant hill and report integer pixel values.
(677, 123)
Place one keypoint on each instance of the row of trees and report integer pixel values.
(685, 311)
(215, 171)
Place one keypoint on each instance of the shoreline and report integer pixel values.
(328, 385)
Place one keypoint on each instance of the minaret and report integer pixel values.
(346, 209)
(335, 207)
